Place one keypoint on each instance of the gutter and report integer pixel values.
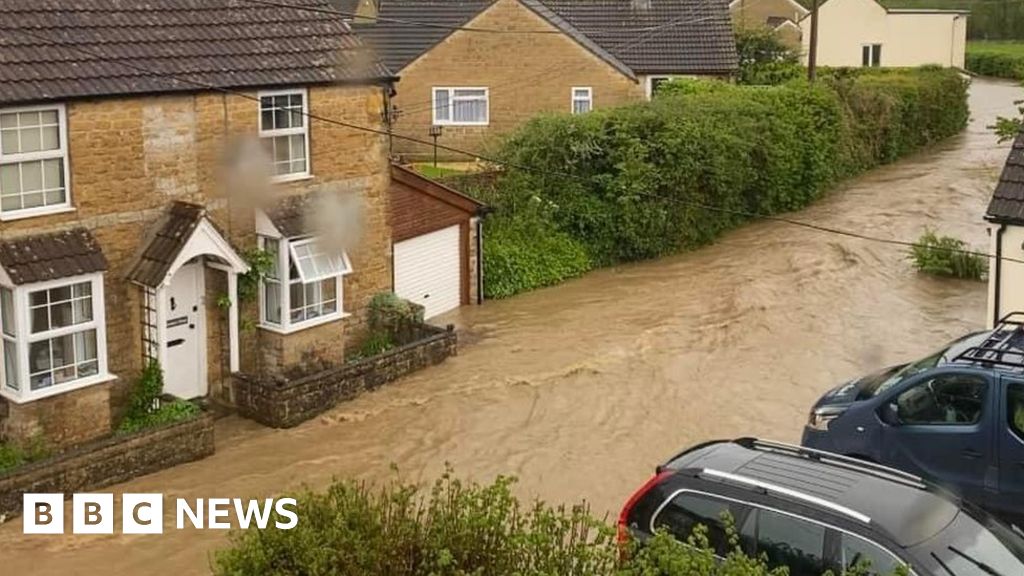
(481, 214)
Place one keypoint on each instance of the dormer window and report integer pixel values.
(33, 161)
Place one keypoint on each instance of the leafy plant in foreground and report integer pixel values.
(947, 256)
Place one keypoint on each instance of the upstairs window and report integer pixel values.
(33, 162)
(461, 106)
(871, 55)
(284, 131)
(582, 100)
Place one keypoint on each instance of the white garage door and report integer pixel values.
(428, 271)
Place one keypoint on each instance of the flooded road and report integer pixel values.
(581, 389)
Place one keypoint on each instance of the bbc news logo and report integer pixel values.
(144, 513)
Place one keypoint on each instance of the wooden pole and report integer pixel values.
(812, 53)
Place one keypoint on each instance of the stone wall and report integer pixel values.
(283, 403)
(63, 420)
(527, 74)
(110, 461)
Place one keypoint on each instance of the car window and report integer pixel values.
(869, 559)
(949, 399)
(688, 510)
(906, 372)
(793, 542)
(1015, 406)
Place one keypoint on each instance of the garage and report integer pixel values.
(428, 271)
(435, 235)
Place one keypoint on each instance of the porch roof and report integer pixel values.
(170, 238)
(44, 257)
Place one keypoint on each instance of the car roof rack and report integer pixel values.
(836, 460)
(770, 488)
(1004, 340)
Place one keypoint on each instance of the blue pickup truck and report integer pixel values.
(956, 417)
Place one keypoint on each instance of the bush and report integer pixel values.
(650, 179)
(764, 59)
(146, 410)
(948, 256)
(14, 455)
(459, 529)
(997, 64)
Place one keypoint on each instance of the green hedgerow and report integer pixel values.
(948, 256)
(642, 181)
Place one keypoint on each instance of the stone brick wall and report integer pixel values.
(283, 403)
(63, 420)
(117, 459)
(527, 74)
(129, 157)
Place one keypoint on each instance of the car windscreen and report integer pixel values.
(975, 546)
(886, 380)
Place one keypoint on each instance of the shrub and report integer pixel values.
(650, 179)
(145, 410)
(764, 59)
(14, 455)
(947, 256)
(460, 529)
(1001, 60)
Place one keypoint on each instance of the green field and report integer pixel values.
(1007, 47)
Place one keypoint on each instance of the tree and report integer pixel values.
(764, 58)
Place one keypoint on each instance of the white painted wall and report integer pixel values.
(1011, 275)
(908, 38)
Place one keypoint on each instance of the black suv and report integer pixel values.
(814, 511)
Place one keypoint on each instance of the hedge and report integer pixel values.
(996, 62)
(459, 529)
(650, 179)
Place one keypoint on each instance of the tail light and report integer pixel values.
(622, 532)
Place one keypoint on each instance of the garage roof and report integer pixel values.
(1007, 204)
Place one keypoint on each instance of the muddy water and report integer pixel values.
(581, 389)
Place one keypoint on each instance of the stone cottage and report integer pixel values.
(148, 148)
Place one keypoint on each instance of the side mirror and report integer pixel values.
(890, 414)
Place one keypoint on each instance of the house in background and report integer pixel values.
(1005, 216)
(118, 241)
(779, 16)
(472, 70)
(865, 33)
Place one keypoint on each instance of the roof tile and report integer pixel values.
(46, 257)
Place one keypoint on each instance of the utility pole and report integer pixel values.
(812, 53)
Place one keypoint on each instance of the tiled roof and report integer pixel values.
(51, 256)
(678, 36)
(398, 44)
(57, 49)
(682, 36)
(169, 236)
(1007, 204)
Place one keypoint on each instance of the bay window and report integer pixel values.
(461, 106)
(54, 337)
(303, 287)
(33, 161)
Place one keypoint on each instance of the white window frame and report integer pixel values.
(649, 83)
(24, 337)
(284, 254)
(871, 54)
(451, 105)
(61, 153)
(304, 130)
(573, 99)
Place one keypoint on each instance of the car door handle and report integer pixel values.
(971, 453)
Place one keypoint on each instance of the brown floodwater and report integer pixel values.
(581, 389)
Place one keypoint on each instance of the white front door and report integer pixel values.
(183, 374)
(428, 271)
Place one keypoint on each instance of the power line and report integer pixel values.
(525, 168)
(421, 24)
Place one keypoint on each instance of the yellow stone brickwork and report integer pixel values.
(527, 74)
(130, 157)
